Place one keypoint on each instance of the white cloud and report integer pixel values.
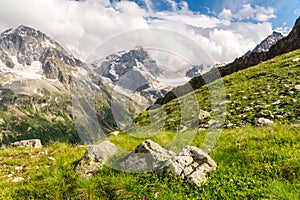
(225, 14)
(82, 26)
(258, 13)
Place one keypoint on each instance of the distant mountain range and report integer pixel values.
(38, 78)
(134, 74)
(37, 81)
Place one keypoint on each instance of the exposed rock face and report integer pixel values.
(94, 158)
(133, 71)
(22, 46)
(266, 44)
(34, 143)
(264, 122)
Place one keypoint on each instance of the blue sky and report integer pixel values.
(286, 11)
(226, 29)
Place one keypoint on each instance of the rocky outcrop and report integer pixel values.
(94, 158)
(148, 156)
(266, 44)
(34, 143)
(191, 164)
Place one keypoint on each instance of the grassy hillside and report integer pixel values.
(266, 90)
(253, 163)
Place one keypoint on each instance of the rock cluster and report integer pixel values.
(34, 143)
(192, 164)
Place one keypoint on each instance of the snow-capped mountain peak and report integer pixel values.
(132, 71)
(29, 53)
(266, 44)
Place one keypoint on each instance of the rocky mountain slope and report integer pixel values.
(31, 54)
(266, 44)
(285, 45)
(37, 80)
(134, 74)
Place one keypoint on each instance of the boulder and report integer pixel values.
(17, 179)
(264, 122)
(94, 158)
(148, 156)
(192, 164)
(203, 115)
(34, 143)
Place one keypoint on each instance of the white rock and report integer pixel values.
(17, 179)
(264, 122)
(51, 159)
(20, 168)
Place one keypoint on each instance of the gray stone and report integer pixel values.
(192, 164)
(94, 158)
(203, 115)
(276, 103)
(17, 179)
(51, 159)
(115, 133)
(264, 122)
(193, 169)
(148, 156)
(34, 143)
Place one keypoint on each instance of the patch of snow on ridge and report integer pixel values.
(47, 44)
(1, 64)
(33, 71)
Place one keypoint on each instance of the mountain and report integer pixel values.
(266, 44)
(285, 45)
(40, 82)
(134, 74)
(265, 94)
(198, 70)
(27, 52)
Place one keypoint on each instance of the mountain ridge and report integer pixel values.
(285, 45)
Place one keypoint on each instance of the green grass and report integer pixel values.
(253, 163)
(266, 90)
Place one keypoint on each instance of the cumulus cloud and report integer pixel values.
(258, 13)
(80, 26)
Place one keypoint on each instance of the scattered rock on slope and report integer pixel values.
(34, 143)
(264, 122)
